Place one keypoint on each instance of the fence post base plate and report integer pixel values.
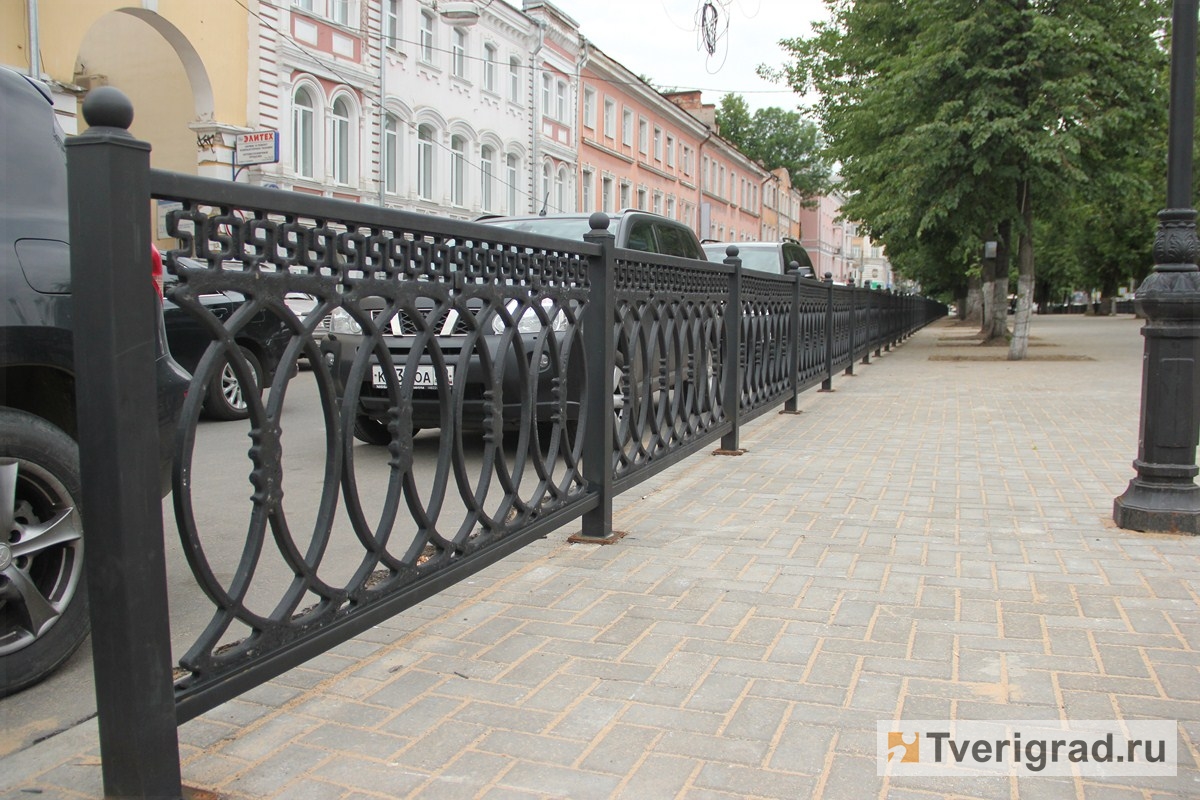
(579, 538)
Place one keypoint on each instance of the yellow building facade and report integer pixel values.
(183, 64)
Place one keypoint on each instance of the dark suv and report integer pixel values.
(774, 257)
(634, 230)
(43, 600)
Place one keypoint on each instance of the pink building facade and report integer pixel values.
(637, 150)
(825, 238)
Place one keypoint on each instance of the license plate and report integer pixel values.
(424, 378)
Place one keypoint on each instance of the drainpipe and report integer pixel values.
(35, 51)
(700, 184)
(585, 48)
(383, 116)
(536, 126)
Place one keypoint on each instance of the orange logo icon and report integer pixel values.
(904, 747)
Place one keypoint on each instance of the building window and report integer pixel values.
(606, 194)
(658, 144)
(339, 141)
(391, 24)
(425, 162)
(547, 93)
(627, 127)
(643, 137)
(658, 202)
(671, 206)
(560, 189)
(339, 11)
(458, 53)
(687, 160)
(487, 169)
(641, 195)
(670, 151)
(427, 40)
(302, 133)
(303, 5)
(514, 79)
(610, 119)
(458, 170)
(489, 68)
(512, 171)
(586, 177)
(547, 183)
(560, 101)
(625, 190)
(391, 154)
(589, 108)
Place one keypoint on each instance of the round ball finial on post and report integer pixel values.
(731, 251)
(108, 107)
(598, 221)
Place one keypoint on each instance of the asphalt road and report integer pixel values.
(222, 509)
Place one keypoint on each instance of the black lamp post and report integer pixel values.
(1164, 495)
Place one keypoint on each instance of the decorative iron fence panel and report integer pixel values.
(559, 373)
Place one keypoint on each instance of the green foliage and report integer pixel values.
(777, 138)
(938, 110)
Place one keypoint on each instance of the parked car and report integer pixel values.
(302, 305)
(773, 257)
(635, 230)
(43, 598)
(262, 341)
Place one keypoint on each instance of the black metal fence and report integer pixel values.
(583, 368)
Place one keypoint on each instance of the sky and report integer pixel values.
(659, 39)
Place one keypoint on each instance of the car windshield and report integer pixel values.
(564, 228)
(762, 259)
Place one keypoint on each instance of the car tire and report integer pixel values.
(43, 593)
(225, 398)
(373, 431)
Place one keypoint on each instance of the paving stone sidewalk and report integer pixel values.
(932, 540)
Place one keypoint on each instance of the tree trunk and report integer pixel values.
(972, 310)
(1019, 346)
(987, 280)
(994, 286)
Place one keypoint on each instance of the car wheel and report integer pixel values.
(226, 397)
(43, 599)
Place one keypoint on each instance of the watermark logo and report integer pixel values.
(1027, 747)
(904, 747)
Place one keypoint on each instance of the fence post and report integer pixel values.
(599, 321)
(791, 406)
(827, 384)
(853, 324)
(867, 349)
(108, 187)
(890, 336)
(732, 375)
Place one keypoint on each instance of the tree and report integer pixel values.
(777, 138)
(957, 120)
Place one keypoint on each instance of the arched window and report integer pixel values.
(458, 170)
(547, 180)
(512, 171)
(303, 116)
(487, 169)
(425, 162)
(339, 141)
(560, 189)
(391, 154)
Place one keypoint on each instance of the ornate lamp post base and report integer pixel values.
(1164, 496)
